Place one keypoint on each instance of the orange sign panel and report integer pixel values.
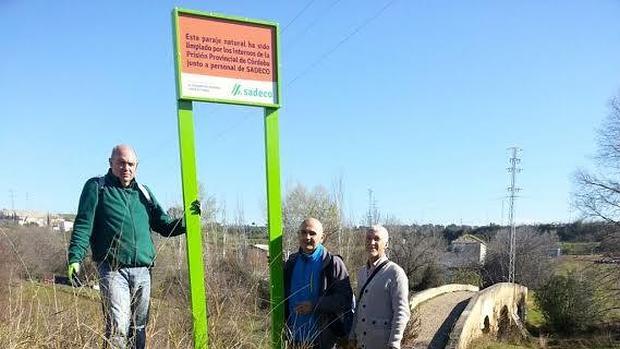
(223, 48)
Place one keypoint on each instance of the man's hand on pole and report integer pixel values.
(194, 208)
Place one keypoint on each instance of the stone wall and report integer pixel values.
(431, 293)
(489, 312)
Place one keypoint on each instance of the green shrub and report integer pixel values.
(433, 276)
(469, 276)
(569, 303)
(580, 248)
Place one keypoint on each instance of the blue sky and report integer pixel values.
(418, 100)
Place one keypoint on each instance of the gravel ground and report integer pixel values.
(437, 318)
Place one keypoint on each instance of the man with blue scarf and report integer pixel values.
(318, 292)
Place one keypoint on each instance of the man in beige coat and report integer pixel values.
(382, 310)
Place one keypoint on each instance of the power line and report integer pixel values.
(321, 58)
(512, 189)
(298, 15)
(233, 126)
(341, 42)
(316, 62)
(312, 24)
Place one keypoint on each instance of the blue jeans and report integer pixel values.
(125, 296)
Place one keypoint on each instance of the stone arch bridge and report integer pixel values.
(452, 316)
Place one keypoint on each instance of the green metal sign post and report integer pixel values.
(231, 60)
(274, 223)
(193, 236)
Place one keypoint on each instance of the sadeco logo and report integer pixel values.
(237, 90)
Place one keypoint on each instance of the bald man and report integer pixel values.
(318, 292)
(115, 217)
(382, 310)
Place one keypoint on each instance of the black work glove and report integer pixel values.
(194, 208)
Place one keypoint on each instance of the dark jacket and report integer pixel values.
(335, 302)
(116, 222)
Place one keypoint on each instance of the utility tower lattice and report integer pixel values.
(12, 194)
(373, 211)
(512, 189)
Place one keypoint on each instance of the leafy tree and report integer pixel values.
(578, 231)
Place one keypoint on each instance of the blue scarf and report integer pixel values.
(305, 286)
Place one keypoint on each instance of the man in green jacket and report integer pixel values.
(115, 217)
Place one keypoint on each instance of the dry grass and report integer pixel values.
(491, 344)
(34, 314)
(42, 316)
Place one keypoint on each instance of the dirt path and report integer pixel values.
(438, 317)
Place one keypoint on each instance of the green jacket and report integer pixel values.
(116, 222)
